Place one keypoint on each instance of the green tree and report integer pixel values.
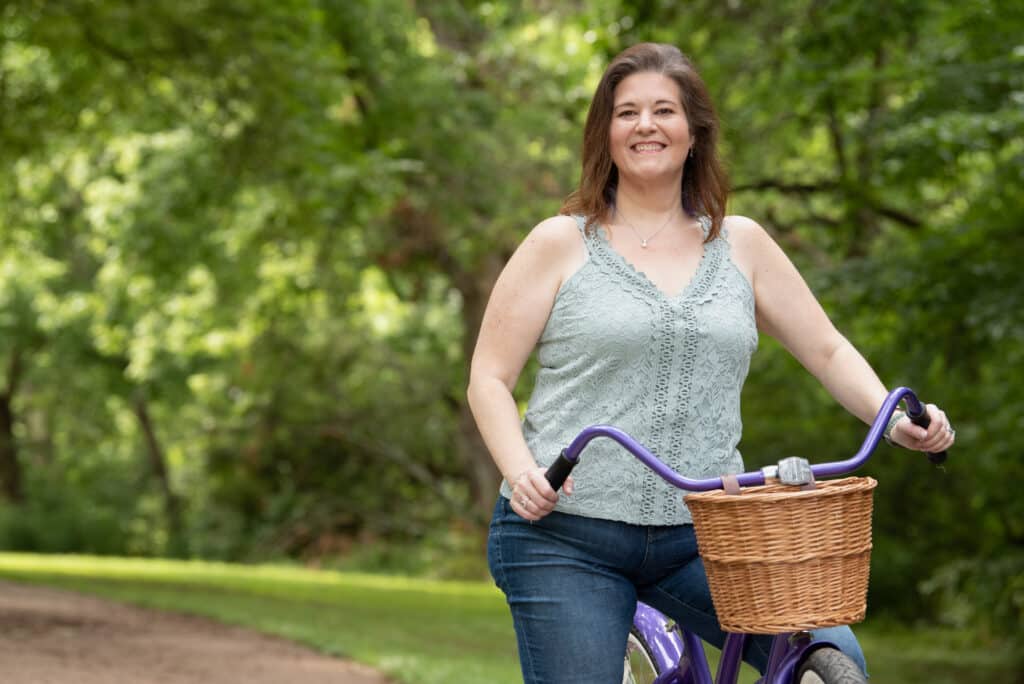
(245, 248)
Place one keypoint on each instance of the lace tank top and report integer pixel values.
(667, 370)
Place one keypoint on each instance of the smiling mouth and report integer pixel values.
(648, 147)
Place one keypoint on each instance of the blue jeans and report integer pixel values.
(573, 582)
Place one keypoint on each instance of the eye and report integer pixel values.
(665, 110)
(626, 113)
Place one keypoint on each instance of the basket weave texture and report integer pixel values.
(783, 559)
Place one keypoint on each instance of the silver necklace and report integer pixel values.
(645, 240)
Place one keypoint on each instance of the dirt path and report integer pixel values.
(49, 636)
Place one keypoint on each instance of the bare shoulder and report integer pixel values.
(551, 252)
(749, 243)
(745, 232)
(555, 231)
(555, 246)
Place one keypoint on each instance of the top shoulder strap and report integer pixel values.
(581, 223)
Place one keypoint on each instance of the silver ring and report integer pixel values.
(950, 430)
(523, 502)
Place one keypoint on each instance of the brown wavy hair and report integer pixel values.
(705, 183)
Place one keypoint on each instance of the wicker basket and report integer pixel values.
(783, 559)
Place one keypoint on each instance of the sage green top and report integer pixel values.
(667, 370)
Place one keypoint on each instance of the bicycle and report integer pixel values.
(660, 652)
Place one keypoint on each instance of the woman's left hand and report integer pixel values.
(939, 436)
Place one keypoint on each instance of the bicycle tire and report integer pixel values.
(829, 666)
(640, 666)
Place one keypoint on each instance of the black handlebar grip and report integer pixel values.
(923, 420)
(559, 471)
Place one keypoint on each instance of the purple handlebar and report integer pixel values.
(914, 408)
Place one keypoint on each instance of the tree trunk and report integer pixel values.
(422, 236)
(10, 467)
(158, 465)
(484, 477)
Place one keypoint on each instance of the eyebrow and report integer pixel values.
(657, 102)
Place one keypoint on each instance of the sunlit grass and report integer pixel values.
(230, 575)
(415, 630)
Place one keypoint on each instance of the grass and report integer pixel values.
(415, 630)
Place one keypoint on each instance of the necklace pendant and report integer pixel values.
(643, 243)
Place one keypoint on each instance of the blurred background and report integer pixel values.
(245, 246)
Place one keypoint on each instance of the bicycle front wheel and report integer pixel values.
(639, 667)
(829, 666)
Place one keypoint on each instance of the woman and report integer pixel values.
(644, 301)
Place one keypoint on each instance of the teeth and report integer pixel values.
(648, 147)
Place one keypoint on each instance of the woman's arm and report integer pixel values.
(516, 314)
(788, 311)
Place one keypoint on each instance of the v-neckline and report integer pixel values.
(692, 287)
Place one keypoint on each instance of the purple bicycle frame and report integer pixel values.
(672, 652)
(673, 657)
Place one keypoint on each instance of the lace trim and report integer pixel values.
(675, 339)
(613, 264)
(703, 277)
(581, 223)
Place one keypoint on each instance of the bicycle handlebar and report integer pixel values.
(567, 460)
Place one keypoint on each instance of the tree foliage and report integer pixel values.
(245, 247)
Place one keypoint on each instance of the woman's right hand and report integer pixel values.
(532, 495)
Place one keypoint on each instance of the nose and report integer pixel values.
(645, 122)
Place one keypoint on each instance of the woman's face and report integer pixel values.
(649, 134)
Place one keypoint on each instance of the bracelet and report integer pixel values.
(896, 417)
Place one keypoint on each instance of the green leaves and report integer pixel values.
(277, 224)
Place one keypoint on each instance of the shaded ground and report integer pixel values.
(53, 636)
